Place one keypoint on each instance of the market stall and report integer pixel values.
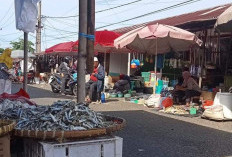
(159, 40)
(18, 66)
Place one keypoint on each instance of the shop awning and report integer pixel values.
(202, 17)
(224, 21)
(19, 54)
(65, 47)
(104, 42)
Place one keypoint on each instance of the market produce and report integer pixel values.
(62, 115)
(9, 109)
(179, 110)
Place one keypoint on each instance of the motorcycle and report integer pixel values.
(71, 86)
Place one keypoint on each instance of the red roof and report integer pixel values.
(202, 15)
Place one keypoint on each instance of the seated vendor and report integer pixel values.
(178, 94)
(96, 83)
(190, 87)
(123, 84)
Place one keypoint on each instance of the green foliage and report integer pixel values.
(19, 45)
(1, 50)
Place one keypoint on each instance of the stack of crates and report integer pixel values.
(108, 146)
(146, 76)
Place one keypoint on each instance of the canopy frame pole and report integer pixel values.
(25, 68)
(128, 64)
(105, 60)
(156, 53)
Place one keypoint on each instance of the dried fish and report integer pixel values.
(61, 115)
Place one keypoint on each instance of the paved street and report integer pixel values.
(151, 134)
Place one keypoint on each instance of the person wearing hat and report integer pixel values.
(96, 82)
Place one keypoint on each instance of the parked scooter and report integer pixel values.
(71, 86)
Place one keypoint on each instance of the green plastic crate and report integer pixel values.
(146, 79)
(146, 74)
(193, 111)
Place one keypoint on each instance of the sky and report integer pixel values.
(57, 29)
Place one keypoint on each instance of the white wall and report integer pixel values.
(118, 63)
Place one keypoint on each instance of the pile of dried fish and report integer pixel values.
(62, 115)
(9, 109)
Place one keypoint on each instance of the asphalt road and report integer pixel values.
(148, 134)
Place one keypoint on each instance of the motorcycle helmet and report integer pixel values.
(67, 59)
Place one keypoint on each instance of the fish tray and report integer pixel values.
(6, 126)
(79, 134)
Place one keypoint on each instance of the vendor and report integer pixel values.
(96, 82)
(123, 84)
(177, 93)
(190, 87)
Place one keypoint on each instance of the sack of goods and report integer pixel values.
(221, 108)
(153, 101)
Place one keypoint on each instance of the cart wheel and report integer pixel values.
(75, 89)
(55, 90)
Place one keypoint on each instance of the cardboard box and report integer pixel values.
(115, 79)
(208, 95)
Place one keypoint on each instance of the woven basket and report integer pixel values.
(60, 135)
(6, 126)
(121, 123)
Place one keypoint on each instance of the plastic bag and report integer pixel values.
(214, 113)
(26, 15)
(167, 102)
(21, 96)
(153, 100)
(207, 103)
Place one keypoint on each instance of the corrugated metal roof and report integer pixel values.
(201, 15)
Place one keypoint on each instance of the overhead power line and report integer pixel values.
(100, 11)
(153, 12)
(118, 6)
(59, 30)
(9, 34)
(12, 4)
(55, 28)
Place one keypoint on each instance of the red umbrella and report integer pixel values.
(104, 42)
(105, 38)
(62, 47)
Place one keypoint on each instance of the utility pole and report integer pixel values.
(91, 31)
(82, 53)
(38, 30)
(25, 62)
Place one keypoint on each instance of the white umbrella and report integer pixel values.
(157, 39)
(163, 38)
(224, 21)
(19, 54)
